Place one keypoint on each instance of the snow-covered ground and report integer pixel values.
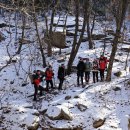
(102, 100)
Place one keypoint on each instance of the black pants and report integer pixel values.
(36, 88)
(78, 79)
(47, 84)
(87, 76)
(61, 83)
(95, 76)
(102, 74)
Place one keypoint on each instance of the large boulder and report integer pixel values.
(34, 125)
(54, 113)
(65, 114)
(57, 113)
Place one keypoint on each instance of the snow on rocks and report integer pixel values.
(58, 113)
(54, 113)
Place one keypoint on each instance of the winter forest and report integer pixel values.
(64, 65)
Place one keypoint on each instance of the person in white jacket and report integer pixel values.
(95, 68)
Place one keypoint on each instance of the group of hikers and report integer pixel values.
(49, 74)
(98, 65)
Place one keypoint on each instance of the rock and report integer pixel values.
(56, 113)
(24, 84)
(34, 126)
(128, 83)
(110, 32)
(117, 89)
(98, 123)
(14, 90)
(125, 49)
(60, 60)
(76, 96)
(24, 41)
(85, 39)
(1, 37)
(67, 97)
(75, 128)
(5, 25)
(116, 60)
(98, 37)
(44, 107)
(6, 110)
(81, 107)
(14, 60)
(12, 82)
(118, 74)
(70, 34)
(65, 114)
(128, 124)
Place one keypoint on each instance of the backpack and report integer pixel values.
(31, 76)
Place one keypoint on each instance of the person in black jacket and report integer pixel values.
(80, 71)
(61, 75)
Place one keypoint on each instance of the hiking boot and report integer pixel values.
(34, 99)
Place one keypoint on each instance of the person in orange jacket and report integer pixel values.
(102, 66)
(49, 75)
(37, 79)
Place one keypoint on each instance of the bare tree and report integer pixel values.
(22, 38)
(119, 10)
(89, 30)
(38, 36)
(76, 42)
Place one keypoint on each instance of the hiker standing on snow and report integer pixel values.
(61, 75)
(88, 67)
(102, 66)
(49, 75)
(37, 78)
(95, 69)
(80, 71)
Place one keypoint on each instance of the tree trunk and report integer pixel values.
(23, 29)
(76, 44)
(89, 35)
(71, 59)
(89, 31)
(49, 48)
(112, 57)
(120, 15)
(39, 40)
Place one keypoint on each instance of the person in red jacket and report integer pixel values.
(49, 75)
(37, 79)
(102, 66)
